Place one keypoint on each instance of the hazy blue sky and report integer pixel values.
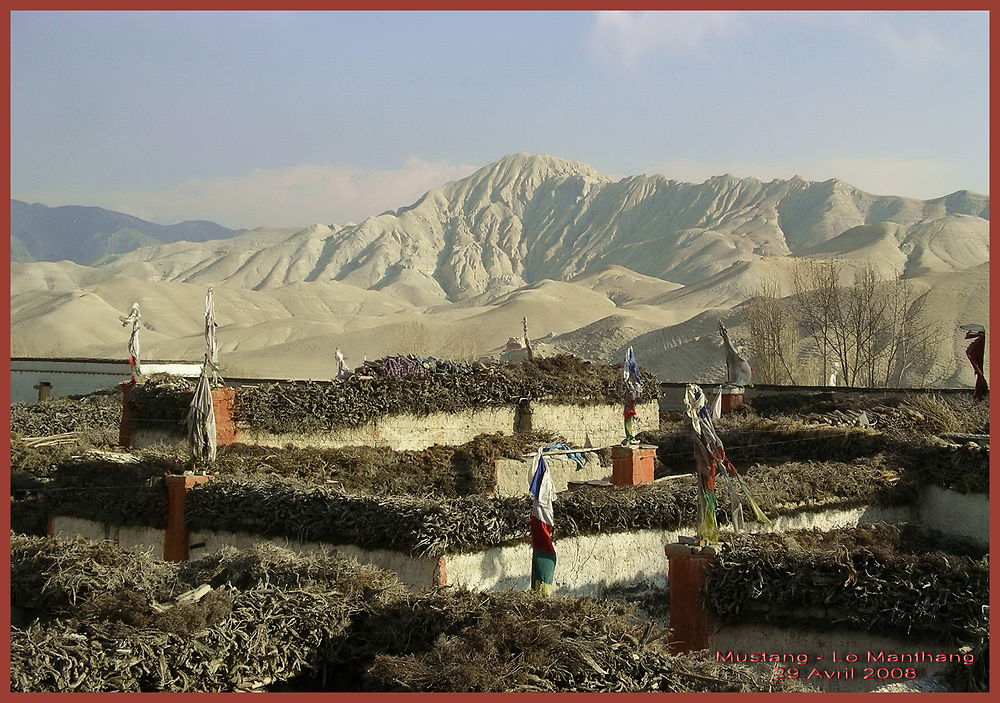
(292, 118)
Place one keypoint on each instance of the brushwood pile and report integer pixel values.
(899, 580)
(96, 415)
(903, 579)
(94, 617)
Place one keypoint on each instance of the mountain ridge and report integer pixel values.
(527, 218)
(83, 234)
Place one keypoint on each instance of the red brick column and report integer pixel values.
(177, 536)
(690, 620)
(632, 465)
(222, 407)
(440, 572)
(125, 426)
(731, 400)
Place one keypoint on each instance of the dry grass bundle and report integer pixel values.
(965, 469)
(907, 415)
(114, 633)
(920, 460)
(53, 575)
(439, 471)
(792, 486)
(516, 642)
(97, 415)
(107, 491)
(932, 413)
(160, 403)
(266, 566)
(269, 635)
(137, 610)
(749, 438)
(28, 515)
(425, 527)
(880, 578)
(308, 512)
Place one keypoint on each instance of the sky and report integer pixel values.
(284, 119)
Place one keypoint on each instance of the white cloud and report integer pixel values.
(922, 178)
(907, 45)
(291, 196)
(622, 38)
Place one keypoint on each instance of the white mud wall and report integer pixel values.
(396, 431)
(591, 425)
(146, 539)
(960, 514)
(513, 476)
(586, 564)
(415, 572)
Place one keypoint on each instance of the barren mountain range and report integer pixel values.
(593, 262)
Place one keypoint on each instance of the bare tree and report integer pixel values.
(815, 302)
(878, 331)
(414, 338)
(771, 334)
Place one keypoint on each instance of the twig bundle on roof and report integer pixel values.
(427, 527)
(95, 414)
(879, 578)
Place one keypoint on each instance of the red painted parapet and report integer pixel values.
(731, 399)
(222, 406)
(177, 536)
(125, 426)
(440, 577)
(632, 465)
(690, 620)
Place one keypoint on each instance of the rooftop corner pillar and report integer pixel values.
(222, 407)
(125, 426)
(732, 398)
(632, 464)
(177, 536)
(691, 621)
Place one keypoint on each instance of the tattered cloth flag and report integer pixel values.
(341, 365)
(201, 420)
(633, 389)
(211, 341)
(135, 318)
(577, 458)
(976, 352)
(738, 371)
(717, 405)
(543, 554)
(710, 458)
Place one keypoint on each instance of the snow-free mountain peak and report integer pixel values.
(528, 217)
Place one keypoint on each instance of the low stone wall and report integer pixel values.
(590, 563)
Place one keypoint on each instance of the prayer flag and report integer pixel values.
(543, 553)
